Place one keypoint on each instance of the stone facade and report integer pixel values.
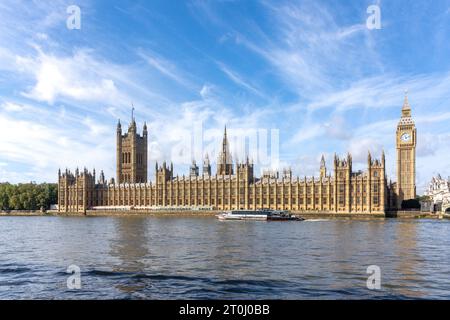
(406, 156)
(438, 192)
(131, 154)
(235, 186)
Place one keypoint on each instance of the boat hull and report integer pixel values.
(242, 217)
(265, 215)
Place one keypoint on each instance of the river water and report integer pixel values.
(203, 258)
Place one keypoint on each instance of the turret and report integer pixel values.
(225, 162)
(287, 174)
(323, 168)
(144, 130)
(193, 170)
(206, 166)
(163, 173)
(119, 155)
(101, 179)
(119, 127)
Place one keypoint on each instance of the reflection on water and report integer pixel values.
(409, 264)
(129, 247)
(170, 258)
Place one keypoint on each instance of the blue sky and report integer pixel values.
(310, 71)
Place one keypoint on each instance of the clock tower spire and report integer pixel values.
(406, 155)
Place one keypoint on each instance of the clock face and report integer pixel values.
(405, 137)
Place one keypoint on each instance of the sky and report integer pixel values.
(291, 80)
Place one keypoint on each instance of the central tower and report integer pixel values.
(131, 154)
(224, 162)
(406, 155)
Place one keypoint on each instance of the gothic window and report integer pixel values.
(375, 200)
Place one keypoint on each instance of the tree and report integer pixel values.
(423, 198)
(27, 196)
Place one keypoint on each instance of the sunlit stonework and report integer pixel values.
(235, 186)
(438, 192)
(406, 155)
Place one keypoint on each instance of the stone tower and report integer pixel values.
(131, 154)
(406, 155)
(225, 162)
(342, 176)
(194, 170)
(323, 168)
(206, 166)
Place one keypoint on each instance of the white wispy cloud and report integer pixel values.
(311, 51)
(68, 78)
(166, 68)
(236, 78)
(42, 147)
(340, 95)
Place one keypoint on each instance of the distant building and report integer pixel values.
(438, 192)
(235, 186)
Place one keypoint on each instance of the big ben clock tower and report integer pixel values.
(406, 155)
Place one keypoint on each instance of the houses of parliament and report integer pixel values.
(235, 186)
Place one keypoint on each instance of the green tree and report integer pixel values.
(27, 196)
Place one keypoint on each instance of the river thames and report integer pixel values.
(203, 258)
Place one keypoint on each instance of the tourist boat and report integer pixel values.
(261, 215)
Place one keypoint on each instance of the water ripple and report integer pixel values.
(199, 258)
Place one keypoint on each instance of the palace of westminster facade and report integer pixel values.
(236, 187)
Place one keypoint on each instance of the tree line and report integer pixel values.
(27, 196)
